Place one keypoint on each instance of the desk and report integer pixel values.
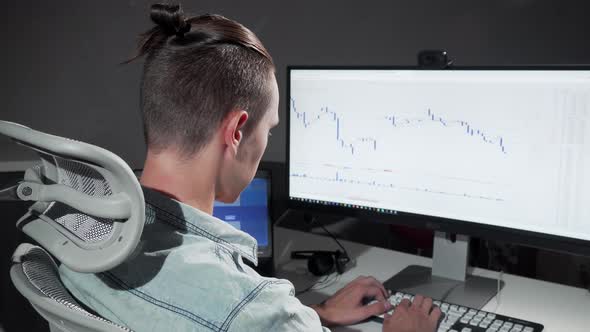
(557, 307)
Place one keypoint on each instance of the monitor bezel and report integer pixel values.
(480, 230)
(266, 251)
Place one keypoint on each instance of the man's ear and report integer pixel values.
(232, 129)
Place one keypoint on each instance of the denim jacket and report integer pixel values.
(187, 274)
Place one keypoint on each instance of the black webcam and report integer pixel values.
(434, 59)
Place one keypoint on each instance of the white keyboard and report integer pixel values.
(457, 318)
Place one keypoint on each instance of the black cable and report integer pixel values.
(307, 289)
(335, 239)
(311, 220)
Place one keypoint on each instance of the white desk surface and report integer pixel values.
(557, 307)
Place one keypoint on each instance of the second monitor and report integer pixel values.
(251, 212)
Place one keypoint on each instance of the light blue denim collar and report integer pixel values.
(194, 221)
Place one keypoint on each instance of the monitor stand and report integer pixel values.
(448, 279)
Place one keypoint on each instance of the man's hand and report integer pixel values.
(347, 306)
(412, 316)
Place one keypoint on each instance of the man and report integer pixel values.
(209, 99)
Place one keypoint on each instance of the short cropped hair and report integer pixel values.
(196, 71)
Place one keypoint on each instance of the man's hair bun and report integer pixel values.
(170, 19)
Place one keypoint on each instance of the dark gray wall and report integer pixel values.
(59, 60)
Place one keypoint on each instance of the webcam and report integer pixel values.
(434, 59)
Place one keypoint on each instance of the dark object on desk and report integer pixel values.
(321, 262)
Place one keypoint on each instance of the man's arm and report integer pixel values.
(275, 309)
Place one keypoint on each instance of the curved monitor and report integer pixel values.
(493, 152)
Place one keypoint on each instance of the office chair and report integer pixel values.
(88, 212)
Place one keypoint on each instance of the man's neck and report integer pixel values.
(191, 182)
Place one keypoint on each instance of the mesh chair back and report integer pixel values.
(90, 182)
(35, 275)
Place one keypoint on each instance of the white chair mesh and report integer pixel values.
(90, 182)
(82, 178)
(89, 229)
(42, 274)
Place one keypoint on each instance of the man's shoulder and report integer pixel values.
(180, 223)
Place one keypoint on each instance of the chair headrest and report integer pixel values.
(89, 209)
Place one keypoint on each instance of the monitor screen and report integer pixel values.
(504, 148)
(250, 212)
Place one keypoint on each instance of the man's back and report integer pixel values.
(187, 274)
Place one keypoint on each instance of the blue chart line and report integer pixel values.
(338, 178)
(469, 129)
(333, 116)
